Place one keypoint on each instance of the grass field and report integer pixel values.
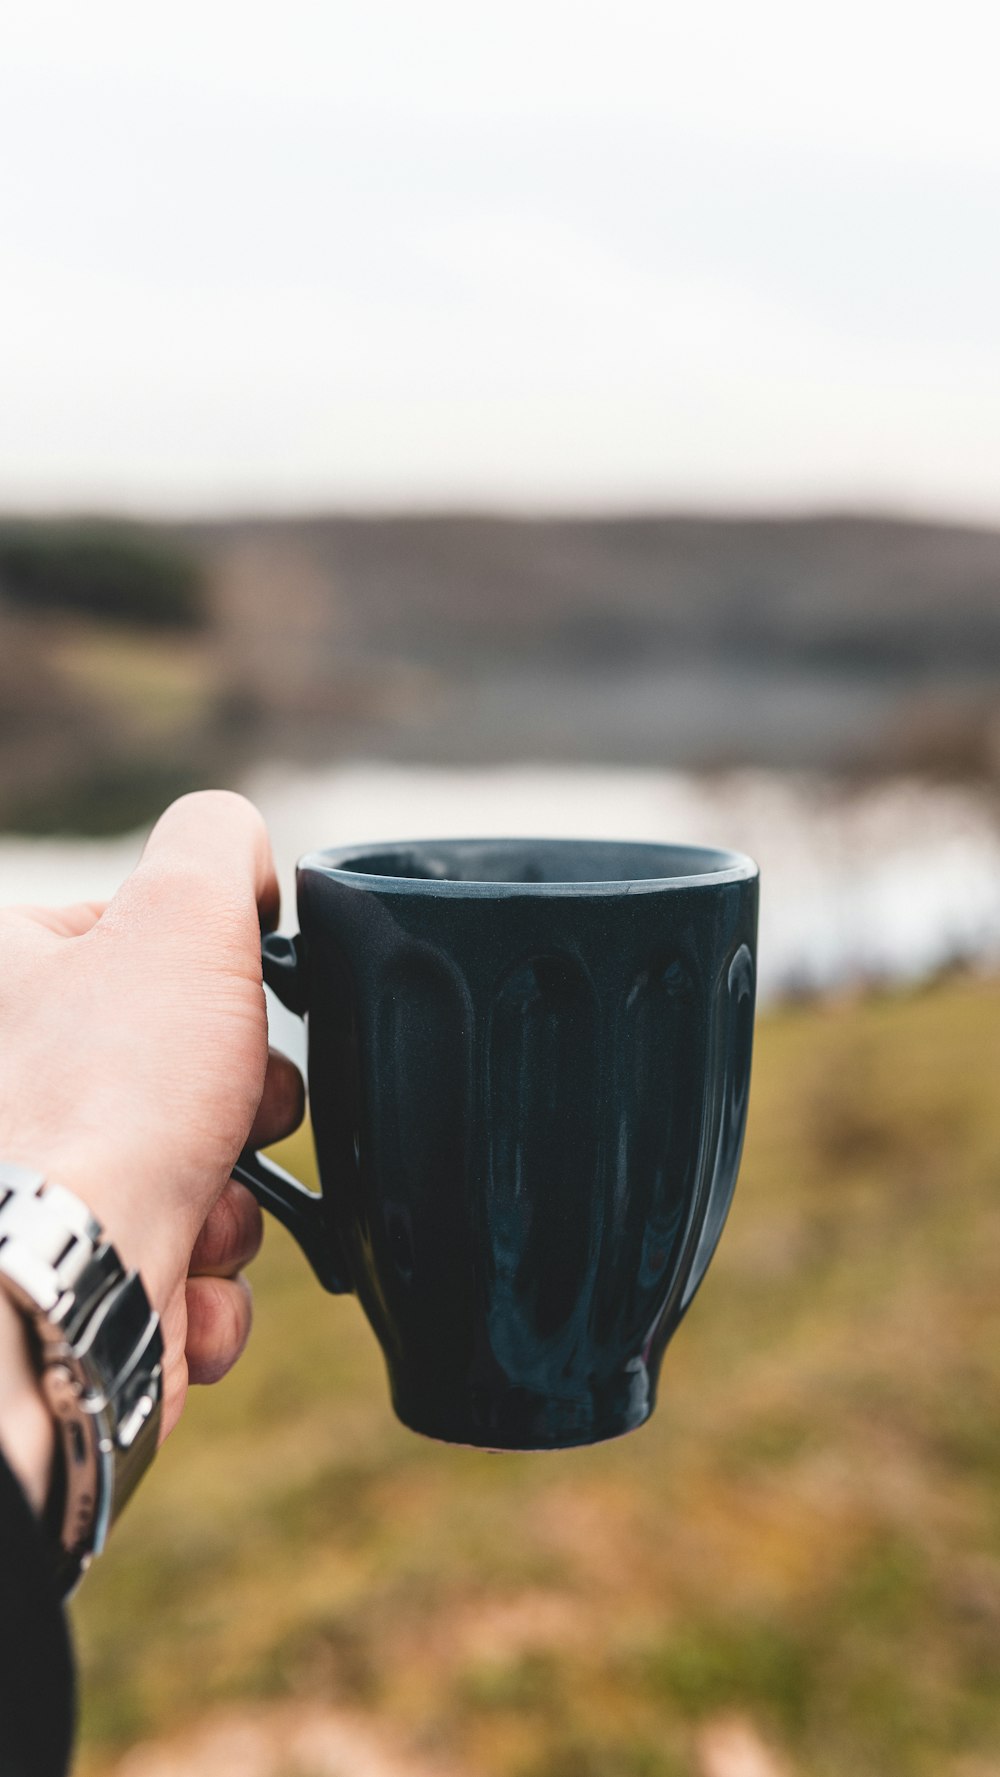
(805, 1539)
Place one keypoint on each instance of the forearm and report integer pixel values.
(27, 1436)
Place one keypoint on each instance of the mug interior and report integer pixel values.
(541, 862)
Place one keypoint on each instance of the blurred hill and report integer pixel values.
(839, 642)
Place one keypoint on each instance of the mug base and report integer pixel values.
(521, 1420)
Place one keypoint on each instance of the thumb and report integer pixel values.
(208, 855)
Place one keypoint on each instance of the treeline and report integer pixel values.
(125, 573)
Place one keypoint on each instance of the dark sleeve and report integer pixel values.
(36, 1667)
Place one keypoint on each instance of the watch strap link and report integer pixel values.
(98, 1348)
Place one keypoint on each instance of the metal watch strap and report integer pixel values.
(99, 1353)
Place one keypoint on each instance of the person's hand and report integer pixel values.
(134, 1067)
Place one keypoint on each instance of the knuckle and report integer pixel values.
(233, 1317)
(232, 1232)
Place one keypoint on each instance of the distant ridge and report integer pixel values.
(837, 642)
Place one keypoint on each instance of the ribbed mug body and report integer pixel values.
(529, 1065)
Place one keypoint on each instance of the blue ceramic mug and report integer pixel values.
(529, 1063)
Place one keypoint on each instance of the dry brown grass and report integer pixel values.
(796, 1563)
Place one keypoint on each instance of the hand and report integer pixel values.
(134, 1067)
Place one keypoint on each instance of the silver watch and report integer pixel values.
(98, 1349)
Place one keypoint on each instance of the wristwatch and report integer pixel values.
(98, 1351)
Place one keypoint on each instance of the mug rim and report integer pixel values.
(339, 862)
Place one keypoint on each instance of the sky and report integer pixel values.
(368, 252)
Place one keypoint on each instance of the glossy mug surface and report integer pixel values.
(529, 1063)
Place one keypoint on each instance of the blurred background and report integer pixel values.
(550, 419)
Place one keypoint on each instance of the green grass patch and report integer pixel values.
(110, 795)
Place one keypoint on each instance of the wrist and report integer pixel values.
(27, 1431)
(98, 1177)
(99, 1354)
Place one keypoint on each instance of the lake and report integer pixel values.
(888, 882)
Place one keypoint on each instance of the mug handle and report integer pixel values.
(298, 1210)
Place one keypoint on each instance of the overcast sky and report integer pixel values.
(473, 252)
